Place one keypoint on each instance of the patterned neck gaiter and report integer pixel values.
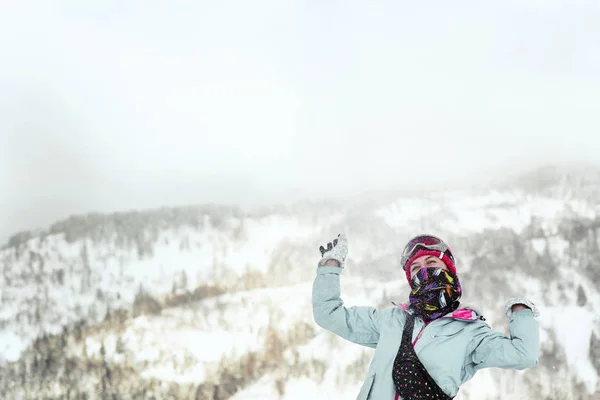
(435, 292)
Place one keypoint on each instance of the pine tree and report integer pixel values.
(86, 277)
(120, 346)
(183, 281)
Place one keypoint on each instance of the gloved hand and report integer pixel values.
(336, 250)
(520, 300)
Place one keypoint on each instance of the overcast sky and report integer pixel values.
(115, 105)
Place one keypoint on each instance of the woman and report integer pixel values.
(429, 347)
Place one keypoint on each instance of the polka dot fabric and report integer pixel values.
(410, 376)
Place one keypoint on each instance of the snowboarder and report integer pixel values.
(429, 347)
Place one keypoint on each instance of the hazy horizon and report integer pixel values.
(113, 106)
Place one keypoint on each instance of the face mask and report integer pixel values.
(435, 292)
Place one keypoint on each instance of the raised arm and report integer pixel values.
(519, 350)
(357, 324)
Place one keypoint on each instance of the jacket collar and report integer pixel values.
(462, 314)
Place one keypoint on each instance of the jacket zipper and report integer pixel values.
(421, 332)
(418, 336)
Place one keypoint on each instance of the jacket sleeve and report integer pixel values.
(357, 324)
(520, 350)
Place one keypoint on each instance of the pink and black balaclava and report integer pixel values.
(434, 291)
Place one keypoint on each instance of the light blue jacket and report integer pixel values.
(452, 348)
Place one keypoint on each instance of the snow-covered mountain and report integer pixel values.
(210, 302)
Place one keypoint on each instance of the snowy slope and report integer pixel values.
(258, 340)
(48, 282)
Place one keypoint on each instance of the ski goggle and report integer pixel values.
(428, 242)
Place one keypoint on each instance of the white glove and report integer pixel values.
(520, 300)
(336, 250)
